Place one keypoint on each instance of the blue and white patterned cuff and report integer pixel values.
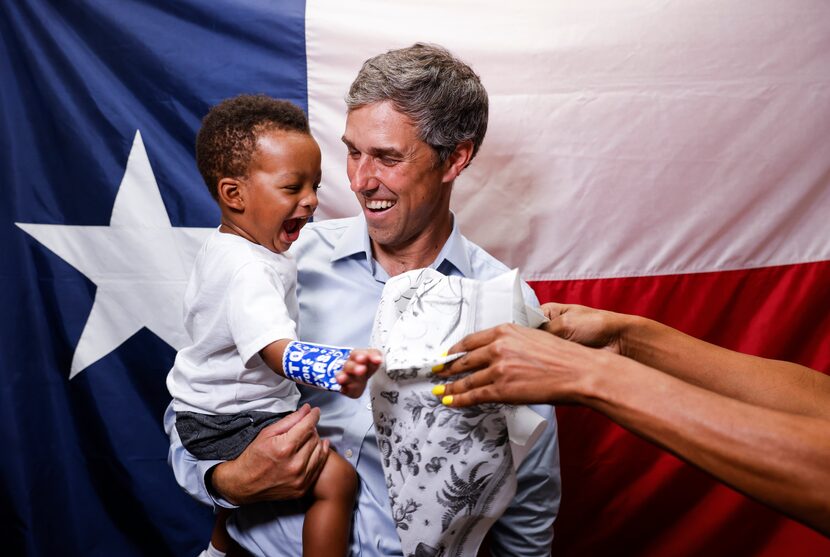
(314, 364)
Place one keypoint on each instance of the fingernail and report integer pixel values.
(439, 390)
(439, 367)
(447, 400)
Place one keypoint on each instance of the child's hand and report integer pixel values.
(360, 366)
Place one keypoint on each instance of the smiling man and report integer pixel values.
(416, 118)
(402, 184)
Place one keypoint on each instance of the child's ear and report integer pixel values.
(230, 193)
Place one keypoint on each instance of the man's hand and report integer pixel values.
(282, 462)
(592, 327)
(517, 365)
(362, 363)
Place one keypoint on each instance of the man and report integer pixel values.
(417, 117)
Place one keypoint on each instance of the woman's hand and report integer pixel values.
(518, 365)
(588, 326)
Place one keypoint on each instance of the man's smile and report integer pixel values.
(380, 204)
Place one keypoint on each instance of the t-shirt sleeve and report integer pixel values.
(257, 311)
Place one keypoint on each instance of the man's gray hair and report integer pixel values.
(442, 95)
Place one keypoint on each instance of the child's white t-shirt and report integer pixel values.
(241, 297)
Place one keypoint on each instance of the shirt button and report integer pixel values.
(369, 406)
(348, 453)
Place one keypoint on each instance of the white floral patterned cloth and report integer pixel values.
(451, 472)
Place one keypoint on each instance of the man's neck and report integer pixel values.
(420, 252)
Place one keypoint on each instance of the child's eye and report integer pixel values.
(317, 187)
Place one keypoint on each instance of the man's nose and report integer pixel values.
(361, 174)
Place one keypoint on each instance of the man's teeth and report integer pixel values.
(379, 204)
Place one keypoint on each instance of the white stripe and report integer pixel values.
(626, 138)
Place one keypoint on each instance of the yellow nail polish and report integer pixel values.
(438, 390)
(439, 367)
(447, 400)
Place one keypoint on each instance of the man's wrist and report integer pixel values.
(218, 487)
(209, 483)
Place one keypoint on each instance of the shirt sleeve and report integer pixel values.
(257, 312)
(190, 472)
(526, 527)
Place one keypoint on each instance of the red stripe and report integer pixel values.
(622, 495)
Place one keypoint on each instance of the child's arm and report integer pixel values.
(273, 353)
(351, 377)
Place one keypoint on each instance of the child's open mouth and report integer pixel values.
(291, 228)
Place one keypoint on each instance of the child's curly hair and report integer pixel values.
(227, 139)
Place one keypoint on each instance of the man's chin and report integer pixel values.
(382, 236)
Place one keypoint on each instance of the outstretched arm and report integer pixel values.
(352, 376)
(775, 456)
(759, 381)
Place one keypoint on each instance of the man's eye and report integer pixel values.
(354, 154)
(386, 161)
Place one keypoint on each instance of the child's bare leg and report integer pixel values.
(328, 521)
(219, 538)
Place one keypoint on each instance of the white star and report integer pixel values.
(139, 263)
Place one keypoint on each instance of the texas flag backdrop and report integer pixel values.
(670, 159)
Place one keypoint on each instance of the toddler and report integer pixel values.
(262, 166)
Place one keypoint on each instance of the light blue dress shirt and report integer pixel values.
(339, 286)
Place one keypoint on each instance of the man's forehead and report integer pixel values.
(381, 115)
(379, 126)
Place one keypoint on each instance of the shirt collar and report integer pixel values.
(454, 252)
(355, 240)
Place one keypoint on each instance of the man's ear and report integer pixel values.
(458, 160)
(231, 193)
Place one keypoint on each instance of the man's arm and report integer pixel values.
(526, 527)
(189, 471)
(280, 463)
